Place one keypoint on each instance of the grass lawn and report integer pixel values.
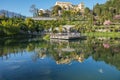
(103, 34)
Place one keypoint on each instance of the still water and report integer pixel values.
(36, 59)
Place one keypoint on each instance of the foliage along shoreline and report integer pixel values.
(18, 26)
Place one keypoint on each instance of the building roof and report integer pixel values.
(63, 2)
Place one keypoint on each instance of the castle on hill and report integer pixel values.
(65, 6)
(69, 6)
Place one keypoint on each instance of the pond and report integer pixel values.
(36, 59)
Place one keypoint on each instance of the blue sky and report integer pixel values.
(23, 6)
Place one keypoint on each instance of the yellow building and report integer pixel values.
(81, 7)
(65, 5)
(69, 6)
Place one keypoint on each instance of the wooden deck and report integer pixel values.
(43, 18)
(65, 36)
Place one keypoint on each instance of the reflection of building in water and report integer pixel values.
(63, 61)
(67, 59)
(39, 53)
(42, 55)
(67, 53)
(61, 51)
(80, 57)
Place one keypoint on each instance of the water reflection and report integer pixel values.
(64, 51)
(47, 58)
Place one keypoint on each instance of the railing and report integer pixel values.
(44, 18)
(65, 35)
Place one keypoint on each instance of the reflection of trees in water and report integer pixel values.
(111, 54)
(15, 46)
(64, 52)
(30, 47)
(9, 46)
(39, 53)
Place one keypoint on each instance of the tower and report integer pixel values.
(81, 7)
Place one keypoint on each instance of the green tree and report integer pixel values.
(34, 10)
(87, 11)
(56, 10)
(30, 24)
